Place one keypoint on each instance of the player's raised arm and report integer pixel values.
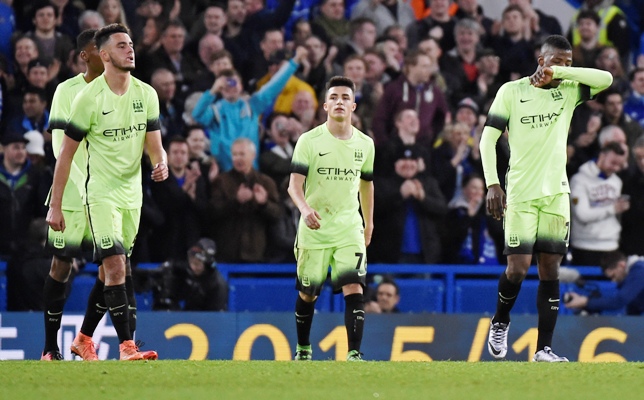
(596, 79)
(157, 154)
(61, 175)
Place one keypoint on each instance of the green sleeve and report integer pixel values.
(596, 79)
(300, 159)
(366, 174)
(488, 154)
(82, 113)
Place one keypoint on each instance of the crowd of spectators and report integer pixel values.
(240, 80)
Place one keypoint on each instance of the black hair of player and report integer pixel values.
(103, 35)
(84, 38)
(341, 81)
(557, 42)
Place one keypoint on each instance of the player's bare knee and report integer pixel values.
(61, 268)
(309, 298)
(352, 288)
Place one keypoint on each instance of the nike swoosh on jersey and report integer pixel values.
(525, 101)
(323, 154)
(105, 113)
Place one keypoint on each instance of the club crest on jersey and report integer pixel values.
(106, 242)
(59, 241)
(138, 106)
(513, 240)
(358, 157)
(556, 95)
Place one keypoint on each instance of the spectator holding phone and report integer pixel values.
(229, 115)
(628, 274)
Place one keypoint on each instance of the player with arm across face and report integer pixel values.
(536, 111)
(117, 115)
(332, 164)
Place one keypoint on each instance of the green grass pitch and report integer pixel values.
(319, 380)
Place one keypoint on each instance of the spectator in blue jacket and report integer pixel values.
(229, 115)
(628, 274)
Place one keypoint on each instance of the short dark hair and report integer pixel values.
(390, 281)
(40, 92)
(173, 23)
(193, 127)
(44, 4)
(177, 139)
(610, 259)
(84, 38)
(557, 42)
(357, 23)
(588, 14)
(341, 81)
(217, 55)
(631, 75)
(513, 7)
(103, 35)
(613, 147)
(603, 96)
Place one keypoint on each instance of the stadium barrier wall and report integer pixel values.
(423, 288)
(271, 336)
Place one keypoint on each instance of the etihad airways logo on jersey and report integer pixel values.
(125, 133)
(541, 120)
(339, 174)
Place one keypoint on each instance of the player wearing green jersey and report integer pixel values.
(536, 111)
(117, 115)
(332, 164)
(68, 245)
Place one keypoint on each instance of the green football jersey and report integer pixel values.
(74, 194)
(333, 169)
(538, 121)
(115, 128)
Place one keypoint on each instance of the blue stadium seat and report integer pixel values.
(479, 296)
(81, 287)
(421, 295)
(144, 301)
(268, 294)
(3, 293)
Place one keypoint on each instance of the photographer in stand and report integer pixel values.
(191, 285)
(628, 274)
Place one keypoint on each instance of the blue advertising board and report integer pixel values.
(271, 336)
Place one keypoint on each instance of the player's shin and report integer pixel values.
(54, 302)
(303, 319)
(116, 300)
(354, 319)
(548, 309)
(96, 309)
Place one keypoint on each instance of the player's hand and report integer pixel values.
(160, 172)
(541, 77)
(496, 201)
(312, 219)
(55, 219)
